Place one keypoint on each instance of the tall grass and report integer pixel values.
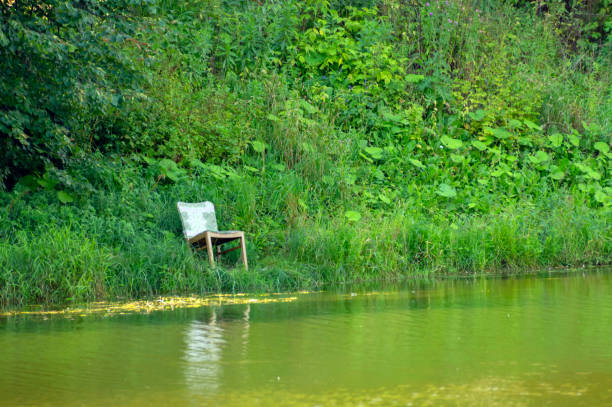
(129, 244)
(54, 266)
(405, 243)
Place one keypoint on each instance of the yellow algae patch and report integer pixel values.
(146, 306)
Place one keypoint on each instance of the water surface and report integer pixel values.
(530, 341)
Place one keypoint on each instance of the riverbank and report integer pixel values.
(351, 141)
(147, 305)
(128, 243)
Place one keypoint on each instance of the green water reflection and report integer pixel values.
(528, 341)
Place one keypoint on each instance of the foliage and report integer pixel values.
(351, 141)
(62, 71)
(353, 51)
(122, 239)
(579, 22)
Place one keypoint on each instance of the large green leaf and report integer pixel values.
(588, 171)
(499, 132)
(555, 140)
(451, 143)
(416, 163)
(479, 145)
(477, 116)
(539, 157)
(456, 158)
(307, 107)
(557, 174)
(258, 146)
(446, 191)
(352, 216)
(374, 152)
(64, 197)
(47, 183)
(514, 124)
(573, 139)
(384, 198)
(600, 196)
(532, 125)
(602, 147)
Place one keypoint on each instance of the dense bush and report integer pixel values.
(62, 73)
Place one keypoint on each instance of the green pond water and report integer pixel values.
(531, 341)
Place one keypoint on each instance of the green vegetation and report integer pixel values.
(352, 141)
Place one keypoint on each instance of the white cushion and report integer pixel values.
(197, 218)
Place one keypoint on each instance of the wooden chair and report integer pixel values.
(201, 231)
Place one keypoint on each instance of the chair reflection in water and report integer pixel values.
(206, 341)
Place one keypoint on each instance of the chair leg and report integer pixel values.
(218, 252)
(243, 252)
(209, 249)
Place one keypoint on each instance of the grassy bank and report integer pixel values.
(126, 242)
(352, 143)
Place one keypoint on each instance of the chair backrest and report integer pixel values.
(197, 218)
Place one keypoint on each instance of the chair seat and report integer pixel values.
(218, 237)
